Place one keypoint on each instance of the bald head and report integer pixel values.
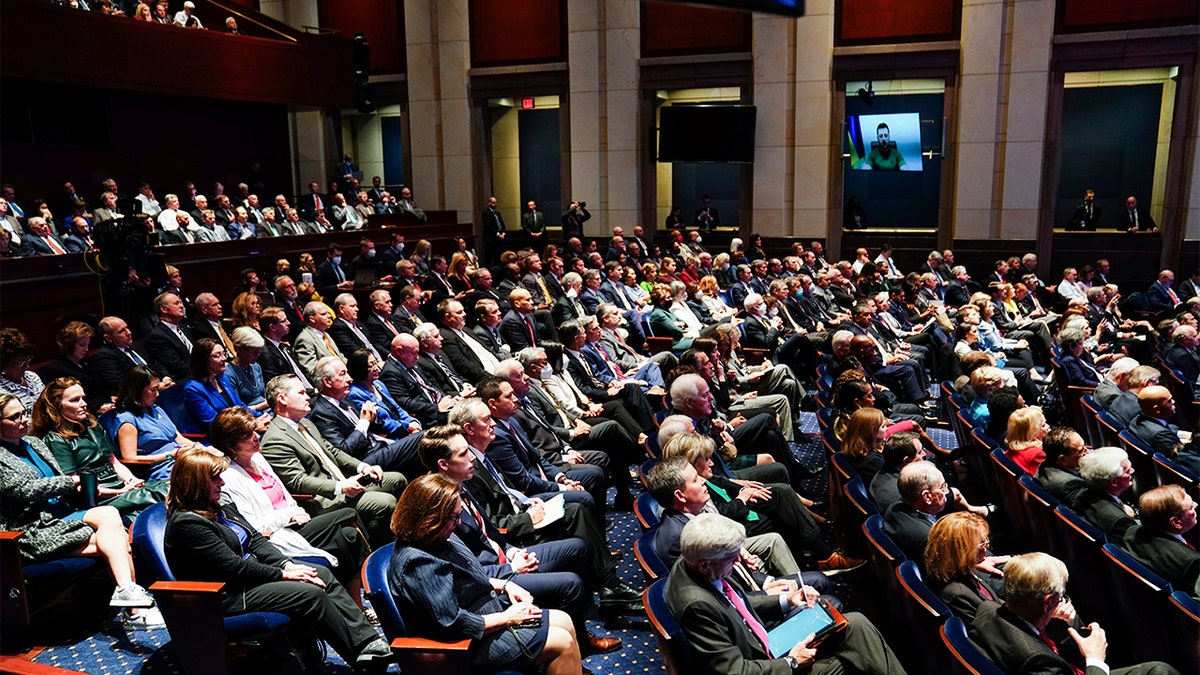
(1155, 401)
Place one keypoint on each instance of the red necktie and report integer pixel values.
(60, 250)
(483, 528)
(1054, 648)
(751, 622)
(983, 589)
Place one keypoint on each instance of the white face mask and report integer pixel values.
(399, 247)
(336, 260)
(699, 240)
(547, 372)
(370, 253)
(571, 293)
(725, 267)
(699, 295)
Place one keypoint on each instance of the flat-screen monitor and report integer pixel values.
(706, 133)
(784, 7)
(884, 142)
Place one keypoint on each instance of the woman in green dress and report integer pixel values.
(79, 444)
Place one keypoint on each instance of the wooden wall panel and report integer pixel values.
(511, 32)
(670, 29)
(1079, 16)
(381, 21)
(888, 21)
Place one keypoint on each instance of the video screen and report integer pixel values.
(885, 142)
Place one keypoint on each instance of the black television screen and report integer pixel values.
(784, 7)
(706, 133)
(886, 142)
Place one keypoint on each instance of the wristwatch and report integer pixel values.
(792, 662)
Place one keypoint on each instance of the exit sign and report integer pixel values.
(527, 104)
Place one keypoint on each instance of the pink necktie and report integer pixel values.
(751, 622)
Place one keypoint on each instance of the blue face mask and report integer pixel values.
(799, 292)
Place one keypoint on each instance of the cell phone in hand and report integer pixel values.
(367, 479)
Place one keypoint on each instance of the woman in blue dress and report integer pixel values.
(139, 427)
(445, 594)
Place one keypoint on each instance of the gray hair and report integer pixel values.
(342, 299)
(312, 308)
(710, 536)
(467, 411)
(685, 387)
(752, 300)
(425, 330)
(673, 426)
(1101, 465)
(1120, 367)
(571, 278)
(1029, 578)
(205, 299)
(916, 478)
(327, 367)
(508, 369)
(529, 355)
(1069, 337)
(245, 336)
(606, 308)
(279, 384)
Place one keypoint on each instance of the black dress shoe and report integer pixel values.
(623, 503)
(619, 592)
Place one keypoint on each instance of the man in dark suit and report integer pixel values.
(1059, 472)
(434, 366)
(521, 464)
(487, 328)
(346, 331)
(573, 220)
(1086, 215)
(1160, 297)
(40, 240)
(534, 223)
(1133, 218)
(537, 285)
(408, 315)
(330, 273)
(493, 230)
(521, 517)
(170, 342)
(1108, 474)
(726, 627)
(1166, 540)
(276, 358)
(469, 357)
(311, 202)
(1151, 426)
(308, 464)
(573, 336)
(549, 570)
(708, 218)
(356, 431)
(287, 298)
(378, 323)
(518, 327)
(118, 355)
(1027, 633)
(410, 390)
(923, 495)
(1182, 354)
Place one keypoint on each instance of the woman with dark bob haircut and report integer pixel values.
(206, 541)
(209, 390)
(140, 428)
(253, 486)
(440, 586)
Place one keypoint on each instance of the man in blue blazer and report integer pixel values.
(1160, 297)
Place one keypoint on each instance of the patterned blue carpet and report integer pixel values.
(111, 651)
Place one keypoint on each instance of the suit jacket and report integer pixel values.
(957, 294)
(461, 357)
(1106, 392)
(737, 294)
(1012, 646)
(759, 335)
(1186, 361)
(963, 596)
(666, 537)
(1066, 486)
(909, 528)
(492, 341)
(617, 352)
(76, 244)
(1163, 438)
(591, 387)
(306, 205)
(345, 339)
(309, 347)
(515, 331)
(1078, 373)
(513, 455)
(404, 321)
(715, 631)
(376, 328)
(326, 276)
(340, 432)
(1157, 298)
(564, 310)
(1125, 407)
(199, 549)
(1100, 510)
(1125, 220)
(273, 361)
(533, 221)
(166, 348)
(662, 324)
(409, 394)
(109, 364)
(393, 419)
(1167, 556)
(26, 508)
(437, 378)
(493, 224)
(299, 467)
(31, 245)
(202, 403)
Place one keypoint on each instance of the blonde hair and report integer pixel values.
(1023, 426)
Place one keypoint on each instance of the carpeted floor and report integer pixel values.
(113, 652)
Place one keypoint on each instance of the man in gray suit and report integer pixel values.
(309, 464)
(313, 344)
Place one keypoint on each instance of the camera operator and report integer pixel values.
(573, 220)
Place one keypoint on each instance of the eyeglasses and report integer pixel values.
(985, 544)
(17, 417)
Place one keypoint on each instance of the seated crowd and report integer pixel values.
(475, 419)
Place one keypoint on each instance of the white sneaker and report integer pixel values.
(146, 619)
(131, 596)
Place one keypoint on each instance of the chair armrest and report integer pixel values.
(139, 461)
(15, 666)
(754, 356)
(170, 587)
(419, 655)
(303, 497)
(195, 437)
(14, 606)
(416, 643)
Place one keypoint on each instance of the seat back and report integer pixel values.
(1038, 507)
(1141, 458)
(1185, 398)
(883, 555)
(966, 657)
(652, 565)
(647, 510)
(148, 530)
(1110, 429)
(1183, 614)
(1091, 427)
(671, 642)
(1170, 473)
(171, 402)
(375, 586)
(859, 507)
(1006, 476)
(825, 418)
(1070, 392)
(1141, 593)
(924, 615)
(653, 449)
(1078, 542)
(644, 470)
